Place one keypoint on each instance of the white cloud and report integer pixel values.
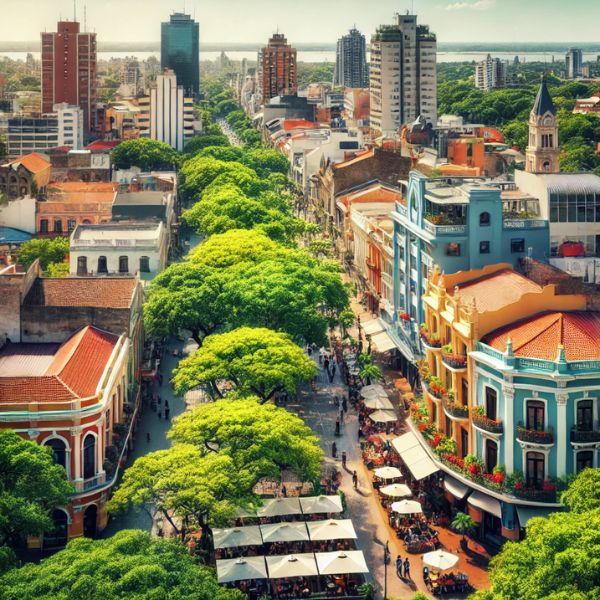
(477, 5)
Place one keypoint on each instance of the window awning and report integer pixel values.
(383, 342)
(456, 488)
(372, 327)
(485, 503)
(528, 512)
(414, 455)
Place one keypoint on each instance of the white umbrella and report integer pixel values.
(379, 402)
(383, 416)
(312, 505)
(373, 391)
(387, 472)
(396, 490)
(284, 532)
(237, 536)
(440, 560)
(340, 563)
(238, 569)
(407, 507)
(342, 529)
(279, 507)
(293, 565)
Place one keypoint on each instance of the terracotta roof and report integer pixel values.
(96, 292)
(34, 162)
(101, 145)
(539, 336)
(376, 192)
(290, 124)
(74, 372)
(359, 156)
(494, 291)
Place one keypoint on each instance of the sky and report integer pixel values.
(305, 21)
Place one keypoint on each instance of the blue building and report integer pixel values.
(180, 51)
(456, 223)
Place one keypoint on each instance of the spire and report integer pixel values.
(543, 101)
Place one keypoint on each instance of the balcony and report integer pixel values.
(437, 224)
(543, 437)
(455, 362)
(524, 223)
(431, 340)
(454, 410)
(579, 436)
(484, 423)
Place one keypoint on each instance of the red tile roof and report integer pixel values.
(74, 373)
(101, 145)
(494, 291)
(291, 124)
(34, 162)
(358, 157)
(539, 336)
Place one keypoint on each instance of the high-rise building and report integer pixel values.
(180, 51)
(277, 74)
(542, 154)
(491, 73)
(402, 74)
(351, 61)
(69, 70)
(574, 62)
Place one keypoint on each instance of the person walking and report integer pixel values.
(166, 403)
(345, 405)
(337, 427)
(326, 364)
(333, 368)
(344, 459)
(355, 480)
(167, 413)
(341, 415)
(334, 450)
(160, 414)
(406, 568)
(148, 437)
(399, 566)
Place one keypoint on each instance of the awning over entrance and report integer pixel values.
(372, 327)
(414, 455)
(528, 512)
(383, 342)
(485, 503)
(456, 488)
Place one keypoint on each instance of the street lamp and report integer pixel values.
(386, 562)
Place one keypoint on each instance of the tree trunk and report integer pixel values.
(196, 337)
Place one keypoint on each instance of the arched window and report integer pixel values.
(59, 536)
(82, 265)
(102, 266)
(123, 264)
(546, 166)
(89, 456)
(59, 451)
(144, 264)
(536, 468)
(484, 219)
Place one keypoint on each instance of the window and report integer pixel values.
(484, 219)
(491, 455)
(89, 456)
(453, 249)
(434, 413)
(123, 264)
(491, 403)
(448, 427)
(44, 226)
(102, 266)
(57, 226)
(82, 265)
(585, 460)
(464, 442)
(536, 463)
(59, 451)
(517, 245)
(144, 264)
(535, 415)
(71, 223)
(484, 247)
(585, 415)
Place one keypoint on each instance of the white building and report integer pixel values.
(574, 63)
(70, 125)
(167, 115)
(402, 74)
(119, 249)
(491, 73)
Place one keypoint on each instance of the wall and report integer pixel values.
(19, 214)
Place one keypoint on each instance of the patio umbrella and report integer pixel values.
(237, 536)
(387, 473)
(396, 490)
(383, 416)
(284, 532)
(373, 391)
(379, 403)
(312, 505)
(321, 531)
(293, 565)
(407, 507)
(279, 507)
(340, 563)
(238, 569)
(440, 560)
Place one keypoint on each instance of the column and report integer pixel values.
(508, 393)
(76, 443)
(561, 434)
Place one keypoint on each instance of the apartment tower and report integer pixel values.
(491, 74)
(277, 74)
(402, 74)
(351, 61)
(574, 63)
(69, 70)
(180, 51)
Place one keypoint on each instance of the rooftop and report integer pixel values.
(34, 162)
(571, 183)
(102, 146)
(117, 231)
(543, 101)
(139, 198)
(9, 235)
(375, 192)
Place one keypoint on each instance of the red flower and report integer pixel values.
(473, 469)
(436, 440)
(518, 486)
(548, 486)
(422, 427)
(499, 477)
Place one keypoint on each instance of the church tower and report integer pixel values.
(542, 151)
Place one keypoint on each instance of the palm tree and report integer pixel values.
(463, 524)
(370, 372)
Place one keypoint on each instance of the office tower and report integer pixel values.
(491, 74)
(180, 51)
(574, 62)
(402, 74)
(69, 70)
(277, 74)
(351, 61)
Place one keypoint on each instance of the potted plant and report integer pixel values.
(465, 525)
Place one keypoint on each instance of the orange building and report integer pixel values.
(467, 152)
(277, 73)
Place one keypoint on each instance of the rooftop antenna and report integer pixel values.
(74, 11)
(85, 17)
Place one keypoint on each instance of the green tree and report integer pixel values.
(224, 153)
(147, 154)
(60, 269)
(31, 487)
(463, 524)
(369, 373)
(255, 361)
(251, 138)
(48, 250)
(584, 492)
(225, 106)
(131, 564)
(265, 161)
(258, 437)
(200, 142)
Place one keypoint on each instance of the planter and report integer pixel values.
(487, 424)
(533, 494)
(534, 436)
(433, 344)
(454, 361)
(583, 437)
(458, 411)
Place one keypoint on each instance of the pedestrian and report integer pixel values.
(309, 351)
(342, 414)
(355, 480)
(160, 414)
(334, 450)
(159, 399)
(345, 404)
(167, 413)
(284, 491)
(344, 459)
(406, 568)
(330, 376)
(166, 404)
(333, 367)
(320, 358)
(148, 437)
(399, 565)
(326, 364)
(337, 427)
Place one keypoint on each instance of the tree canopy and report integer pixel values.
(266, 161)
(48, 250)
(200, 142)
(584, 492)
(254, 361)
(147, 154)
(131, 564)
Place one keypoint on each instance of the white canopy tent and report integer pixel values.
(372, 327)
(284, 532)
(312, 505)
(396, 490)
(292, 565)
(332, 529)
(383, 342)
(407, 507)
(383, 416)
(341, 563)
(414, 455)
(387, 473)
(440, 560)
(237, 536)
(239, 569)
(379, 403)
(278, 507)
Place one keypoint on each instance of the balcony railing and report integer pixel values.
(535, 436)
(588, 436)
(444, 229)
(454, 361)
(515, 223)
(487, 424)
(456, 410)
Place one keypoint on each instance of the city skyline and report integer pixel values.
(453, 21)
